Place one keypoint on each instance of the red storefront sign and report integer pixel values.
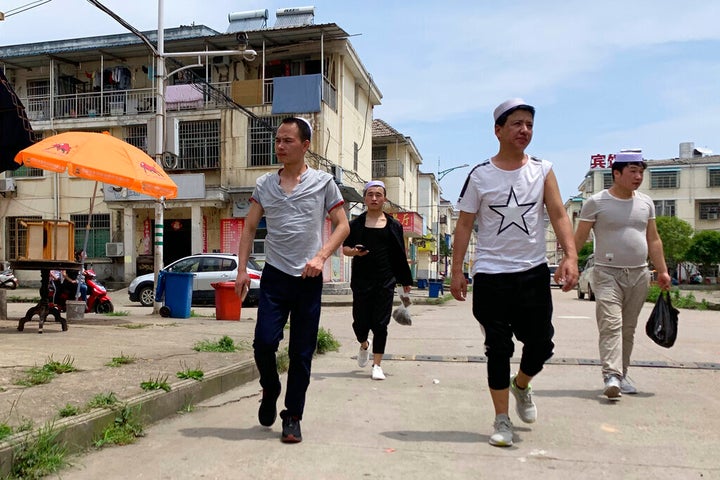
(411, 221)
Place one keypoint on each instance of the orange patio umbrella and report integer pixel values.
(100, 157)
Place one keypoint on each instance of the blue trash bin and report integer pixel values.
(422, 283)
(435, 287)
(177, 289)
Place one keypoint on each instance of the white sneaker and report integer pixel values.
(503, 434)
(364, 355)
(612, 387)
(627, 387)
(377, 373)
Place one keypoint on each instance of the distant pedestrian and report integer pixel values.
(507, 195)
(623, 223)
(379, 264)
(295, 201)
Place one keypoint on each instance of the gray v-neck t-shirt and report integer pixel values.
(295, 221)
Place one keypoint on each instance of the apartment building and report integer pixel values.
(220, 112)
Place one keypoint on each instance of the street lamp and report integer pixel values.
(442, 173)
(27, 6)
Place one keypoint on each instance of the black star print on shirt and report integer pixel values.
(512, 213)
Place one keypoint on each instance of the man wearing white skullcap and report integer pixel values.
(623, 223)
(507, 195)
(377, 248)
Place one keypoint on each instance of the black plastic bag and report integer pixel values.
(662, 325)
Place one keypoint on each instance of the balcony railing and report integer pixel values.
(387, 168)
(140, 101)
(110, 103)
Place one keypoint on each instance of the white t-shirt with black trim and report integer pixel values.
(509, 210)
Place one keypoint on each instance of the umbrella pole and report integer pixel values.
(81, 276)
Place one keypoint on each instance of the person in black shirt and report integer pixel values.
(379, 263)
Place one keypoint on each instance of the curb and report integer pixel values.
(77, 433)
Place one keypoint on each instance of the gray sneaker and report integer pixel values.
(612, 387)
(524, 405)
(503, 434)
(626, 386)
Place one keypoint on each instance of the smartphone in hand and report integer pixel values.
(362, 248)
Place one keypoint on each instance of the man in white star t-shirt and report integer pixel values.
(511, 288)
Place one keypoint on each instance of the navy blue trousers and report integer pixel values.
(283, 296)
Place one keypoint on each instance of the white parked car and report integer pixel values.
(207, 268)
(584, 286)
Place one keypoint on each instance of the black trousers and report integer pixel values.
(519, 304)
(371, 311)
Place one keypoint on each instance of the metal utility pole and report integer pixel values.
(159, 147)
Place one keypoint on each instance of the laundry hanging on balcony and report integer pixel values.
(297, 94)
(183, 96)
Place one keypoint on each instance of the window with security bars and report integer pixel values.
(136, 135)
(664, 208)
(262, 140)
(713, 177)
(607, 180)
(38, 99)
(709, 210)
(379, 161)
(16, 236)
(199, 145)
(24, 171)
(98, 235)
(664, 180)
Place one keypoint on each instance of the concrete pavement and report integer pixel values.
(432, 417)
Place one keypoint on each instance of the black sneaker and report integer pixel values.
(268, 408)
(291, 430)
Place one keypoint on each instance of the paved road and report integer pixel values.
(432, 417)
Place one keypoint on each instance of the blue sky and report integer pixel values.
(602, 75)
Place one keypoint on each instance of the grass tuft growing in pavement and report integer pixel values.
(121, 360)
(124, 429)
(157, 383)
(224, 344)
(41, 375)
(39, 455)
(103, 400)
(326, 342)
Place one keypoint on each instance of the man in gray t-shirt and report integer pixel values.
(295, 202)
(623, 223)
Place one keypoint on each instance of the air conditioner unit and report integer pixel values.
(7, 184)
(712, 216)
(114, 249)
(337, 172)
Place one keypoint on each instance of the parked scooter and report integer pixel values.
(8, 279)
(97, 301)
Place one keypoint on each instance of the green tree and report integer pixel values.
(705, 250)
(584, 253)
(676, 235)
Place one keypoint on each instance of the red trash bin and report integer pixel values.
(227, 303)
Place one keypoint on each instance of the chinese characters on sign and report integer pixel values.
(411, 221)
(601, 161)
